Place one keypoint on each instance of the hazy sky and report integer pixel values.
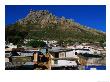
(93, 16)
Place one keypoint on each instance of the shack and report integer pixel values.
(62, 57)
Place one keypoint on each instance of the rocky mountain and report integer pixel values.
(44, 18)
(44, 25)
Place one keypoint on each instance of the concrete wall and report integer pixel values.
(66, 63)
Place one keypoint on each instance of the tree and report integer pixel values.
(16, 33)
(36, 43)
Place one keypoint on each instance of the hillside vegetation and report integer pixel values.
(43, 25)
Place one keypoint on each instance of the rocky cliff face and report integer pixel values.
(45, 18)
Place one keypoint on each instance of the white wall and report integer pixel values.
(6, 59)
(12, 46)
(66, 63)
(70, 54)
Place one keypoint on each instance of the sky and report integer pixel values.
(93, 16)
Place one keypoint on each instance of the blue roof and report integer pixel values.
(101, 67)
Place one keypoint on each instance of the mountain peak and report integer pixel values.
(45, 25)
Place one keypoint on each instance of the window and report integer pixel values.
(56, 55)
(62, 55)
(55, 61)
